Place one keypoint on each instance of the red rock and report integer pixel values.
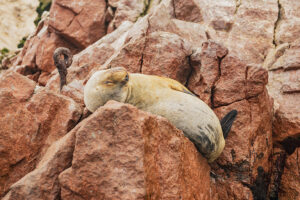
(19, 86)
(223, 190)
(38, 51)
(18, 129)
(284, 87)
(231, 86)
(162, 19)
(44, 78)
(166, 54)
(127, 10)
(35, 121)
(206, 65)
(248, 146)
(290, 184)
(156, 160)
(80, 22)
(288, 25)
(278, 162)
(48, 42)
(187, 11)
(42, 183)
(18, 141)
(56, 114)
(87, 61)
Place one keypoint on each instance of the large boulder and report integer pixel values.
(118, 152)
(31, 119)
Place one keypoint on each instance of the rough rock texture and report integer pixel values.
(42, 183)
(156, 160)
(145, 168)
(30, 121)
(289, 188)
(284, 86)
(232, 54)
(16, 21)
(81, 22)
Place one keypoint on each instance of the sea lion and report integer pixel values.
(165, 97)
(62, 64)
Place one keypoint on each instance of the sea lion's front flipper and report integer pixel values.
(174, 85)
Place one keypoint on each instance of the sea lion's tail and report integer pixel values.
(227, 121)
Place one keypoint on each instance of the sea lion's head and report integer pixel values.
(105, 85)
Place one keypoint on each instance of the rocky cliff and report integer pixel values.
(232, 54)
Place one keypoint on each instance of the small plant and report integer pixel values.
(45, 5)
(3, 53)
(22, 42)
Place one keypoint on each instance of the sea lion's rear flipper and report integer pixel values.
(227, 121)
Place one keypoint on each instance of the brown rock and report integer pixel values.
(56, 114)
(44, 78)
(42, 183)
(162, 19)
(19, 86)
(284, 87)
(128, 10)
(290, 184)
(248, 146)
(35, 121)
(156, 160)
(18, 129)
(224, 190)
(187, 11)
(18, 141)
(38, 51)
(88, 61)
(48, 42)
(278, 162)
(288, 25)
(81, 22)
(238, 81)
(206, 65)
(166, 54)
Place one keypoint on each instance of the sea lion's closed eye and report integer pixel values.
(108, 82)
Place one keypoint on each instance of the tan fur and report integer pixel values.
(162, 96)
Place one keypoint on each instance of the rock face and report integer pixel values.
(16, 21)
(118, 153)
(232, 54)
(31, 120)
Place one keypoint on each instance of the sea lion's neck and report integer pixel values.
(138, 91)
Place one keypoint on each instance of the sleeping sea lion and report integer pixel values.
(165, 97)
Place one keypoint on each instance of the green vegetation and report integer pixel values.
(45, 5)
(146, 8)
(22, 42)
(3, 53)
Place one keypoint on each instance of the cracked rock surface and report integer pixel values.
(232, 54)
